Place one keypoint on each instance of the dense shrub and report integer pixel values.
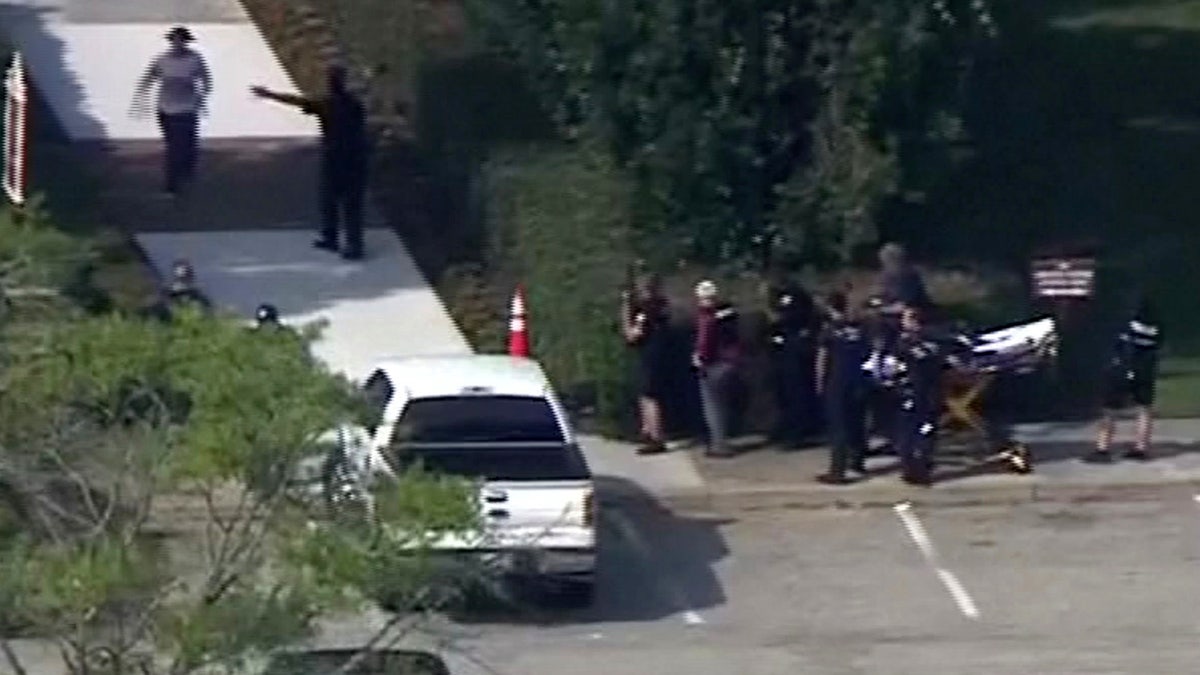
(561, 220)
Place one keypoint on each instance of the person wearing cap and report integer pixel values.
(344, 149)
(714, 357)
(184, 85)
(1130, 382)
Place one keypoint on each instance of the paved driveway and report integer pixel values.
(1092, 589)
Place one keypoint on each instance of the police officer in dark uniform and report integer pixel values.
(793, 328)
(899, 286)
(344, 150)
(845, 345)
(1130, 381)
(921, 361)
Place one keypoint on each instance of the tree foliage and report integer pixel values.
(150, 466)
(723, 108)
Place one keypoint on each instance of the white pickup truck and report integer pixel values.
(494, 419)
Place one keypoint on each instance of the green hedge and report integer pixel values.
(561, 222)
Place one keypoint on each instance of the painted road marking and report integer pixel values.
(1196, 499)
(636, 541)
(916, 532)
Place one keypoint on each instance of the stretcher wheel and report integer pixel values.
(1018, 458)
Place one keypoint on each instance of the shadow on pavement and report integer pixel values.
(654, 564)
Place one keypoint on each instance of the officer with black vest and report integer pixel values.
(1130, 381)
(792, 332)
(845, 346)
(921, 361)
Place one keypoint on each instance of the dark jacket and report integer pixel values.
(794, 319)
(1138, 345)
(344, 143)
(906, 287)
(923, 360)
(847, 346)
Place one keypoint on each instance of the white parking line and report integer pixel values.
(916, 531)
(676, 594)
(1196, 498)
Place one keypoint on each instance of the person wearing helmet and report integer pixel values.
(182, 288)
(267, 316)
(343, 178)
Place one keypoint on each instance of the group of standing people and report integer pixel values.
(836, 364)
(184, 86)
(817, 350)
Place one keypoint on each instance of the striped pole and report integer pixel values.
(16, 111)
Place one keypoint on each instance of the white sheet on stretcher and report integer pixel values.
(1034, 333)
(1016, 338)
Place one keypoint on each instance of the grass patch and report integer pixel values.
(1178, 387)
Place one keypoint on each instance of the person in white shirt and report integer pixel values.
(184, 84)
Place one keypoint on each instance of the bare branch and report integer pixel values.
(366, 649)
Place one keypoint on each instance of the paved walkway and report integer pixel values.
(763, 476)
(247, 225)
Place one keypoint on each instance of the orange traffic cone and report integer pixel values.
(518, 329)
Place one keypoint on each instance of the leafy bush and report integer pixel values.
(562, 223)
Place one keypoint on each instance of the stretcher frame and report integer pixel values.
(964, 393)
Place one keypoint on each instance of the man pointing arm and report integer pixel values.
(343, 120)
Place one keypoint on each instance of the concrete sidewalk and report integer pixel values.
(247, 224)
(763, 477)
(85, 56)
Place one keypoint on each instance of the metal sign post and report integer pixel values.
(16, 111)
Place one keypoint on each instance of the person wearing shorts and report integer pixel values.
(1130, 383)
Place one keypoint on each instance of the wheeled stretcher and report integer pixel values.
(973, 364)
(1013, 350)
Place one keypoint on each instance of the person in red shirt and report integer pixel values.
(715, 358)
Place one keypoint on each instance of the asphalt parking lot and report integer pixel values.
(1063, 589)
(1039, 589)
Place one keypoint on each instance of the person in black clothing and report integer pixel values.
(919, 393)
(793, 328)
(343, 179)
(645, 320)
(845, 345)
(1132, 371)
(899, 286)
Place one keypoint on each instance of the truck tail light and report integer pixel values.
(589, 509)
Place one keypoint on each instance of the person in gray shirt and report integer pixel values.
(184, 84)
